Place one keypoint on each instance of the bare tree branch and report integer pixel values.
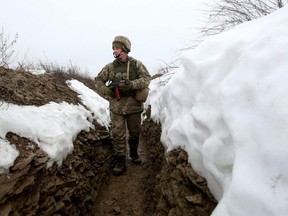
(6, 49)
(229, 13)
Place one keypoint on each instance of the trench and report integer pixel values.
(164, 184)
(132, 192)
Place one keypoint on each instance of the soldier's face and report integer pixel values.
(117, 51)
(119, 54)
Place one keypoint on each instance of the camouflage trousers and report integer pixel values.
(123, 125)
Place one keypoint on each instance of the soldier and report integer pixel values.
(118, 82)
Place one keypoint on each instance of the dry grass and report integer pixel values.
(67, 73)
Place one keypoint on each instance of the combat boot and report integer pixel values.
(120, 166)
(133, 145)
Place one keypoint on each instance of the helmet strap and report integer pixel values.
(117, 56)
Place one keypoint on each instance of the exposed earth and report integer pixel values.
(164, 184)
(125, 194)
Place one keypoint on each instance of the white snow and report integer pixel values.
(227, 107)
(53, 126)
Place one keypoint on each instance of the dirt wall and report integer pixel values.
(176, 189)
(32, 189)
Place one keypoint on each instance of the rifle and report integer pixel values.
(115, 86)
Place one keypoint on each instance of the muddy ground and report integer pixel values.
(125, 194)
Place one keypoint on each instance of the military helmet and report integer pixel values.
(122, 42)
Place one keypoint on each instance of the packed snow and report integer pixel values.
(53, 126)
(226, 106)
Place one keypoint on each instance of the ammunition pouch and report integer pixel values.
(142, 94)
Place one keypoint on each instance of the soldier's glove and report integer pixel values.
(125, 85)
(107, 92)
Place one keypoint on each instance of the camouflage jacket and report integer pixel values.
(138, 73)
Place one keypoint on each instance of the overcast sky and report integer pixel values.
(61, 31)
